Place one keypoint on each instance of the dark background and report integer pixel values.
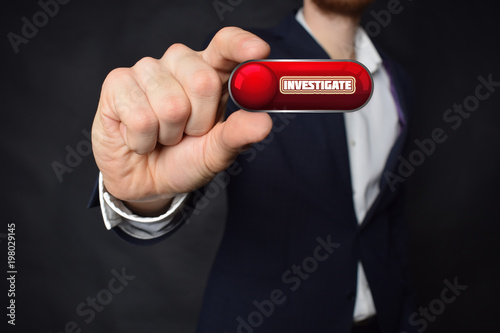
(64, 254)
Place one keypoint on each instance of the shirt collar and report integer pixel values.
(366, 53)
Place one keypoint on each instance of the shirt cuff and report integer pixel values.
(116, 214)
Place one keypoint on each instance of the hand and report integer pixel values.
(159, 128)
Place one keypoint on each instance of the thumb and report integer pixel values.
(230, 137)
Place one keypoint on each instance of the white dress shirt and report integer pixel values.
(371, 133)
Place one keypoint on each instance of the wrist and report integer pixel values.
(149, 208)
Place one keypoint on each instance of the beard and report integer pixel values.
(343, 7)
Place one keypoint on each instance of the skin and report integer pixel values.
(159, 128)
(322, 22)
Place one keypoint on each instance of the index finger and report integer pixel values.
(231, 46)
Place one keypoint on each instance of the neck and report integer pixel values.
(334, 32)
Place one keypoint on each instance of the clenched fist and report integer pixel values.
(159, 129)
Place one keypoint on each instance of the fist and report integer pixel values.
(159, 129)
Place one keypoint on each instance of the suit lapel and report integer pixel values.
(403, 107)
(297, 43)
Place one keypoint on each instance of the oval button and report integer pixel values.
(300, 85)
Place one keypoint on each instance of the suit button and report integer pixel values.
(351, 296)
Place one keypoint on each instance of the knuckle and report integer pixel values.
(177, 110)
(146, 63)
(147, 70)
(175, 49)
(143, 122)
(220, 36)
(205, 83)
(116, 90)
(117, 76)
(225, 30)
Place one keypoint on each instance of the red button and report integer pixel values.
(300, 85)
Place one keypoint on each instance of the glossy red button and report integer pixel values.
(300, 85)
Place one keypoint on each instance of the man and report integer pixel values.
(315, 240)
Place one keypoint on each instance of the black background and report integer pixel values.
(50, 90)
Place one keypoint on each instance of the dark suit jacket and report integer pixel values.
(274, 271)
(293, 189)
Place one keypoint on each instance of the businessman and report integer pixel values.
(314, 240)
